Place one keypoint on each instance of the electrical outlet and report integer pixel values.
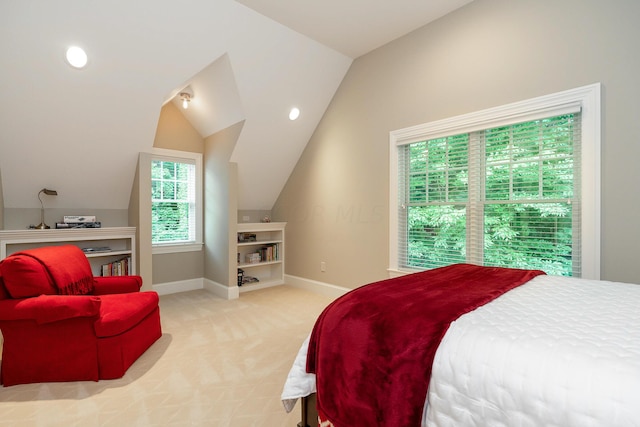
(245, 218)
(323, 266)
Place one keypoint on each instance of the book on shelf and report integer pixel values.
(117, 268)
(252, 258)
(78, 219)
(269, 253)
(70, 225)
(246, 237)
(96, 249)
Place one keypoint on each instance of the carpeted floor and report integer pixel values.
(218, 363)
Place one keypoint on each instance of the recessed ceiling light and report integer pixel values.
(76, 57)
(294, 113)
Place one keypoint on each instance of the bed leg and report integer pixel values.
(309, 413)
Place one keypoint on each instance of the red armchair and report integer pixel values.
(59, 323)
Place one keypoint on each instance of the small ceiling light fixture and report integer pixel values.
(186, 98)
(186, 94)
(42, 225)
(294, 113)
(76, 57)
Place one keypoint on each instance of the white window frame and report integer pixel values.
(182, 156)
(586, 97)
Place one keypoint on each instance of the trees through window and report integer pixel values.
(515, 186)
(176, 218)
(173, 201)
(512, 185)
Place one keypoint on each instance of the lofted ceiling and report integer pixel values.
(80, 131)
(354, 27)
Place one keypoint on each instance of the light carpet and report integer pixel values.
(218, 363)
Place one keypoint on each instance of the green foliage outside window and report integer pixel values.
(171, 207)
(523, 196)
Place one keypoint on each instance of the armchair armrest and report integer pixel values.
(49, 308)
(117, 285)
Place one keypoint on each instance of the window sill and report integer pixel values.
(176, 248)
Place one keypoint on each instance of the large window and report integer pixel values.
(503, 187)
(175, 201)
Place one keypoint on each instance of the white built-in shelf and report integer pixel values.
(121, 242)
(270, 272)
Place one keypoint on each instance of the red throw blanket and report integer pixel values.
(372, 350)
(67, 265)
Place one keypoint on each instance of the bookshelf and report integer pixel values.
(109, 244)
(267, 240)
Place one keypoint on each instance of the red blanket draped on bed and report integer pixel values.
(372, 349)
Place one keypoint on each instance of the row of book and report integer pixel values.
(265, 254)
(269, 253)
(117, 268)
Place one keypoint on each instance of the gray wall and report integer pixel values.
(252, 215)
(174, 132)
(176, 267)
(489, 53)
(220, 206)
(22, 218)
(1, 204)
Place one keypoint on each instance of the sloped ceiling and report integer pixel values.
(80, 131)
(354, 27)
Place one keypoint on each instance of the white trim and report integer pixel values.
(178, 156)
(233, 292)
(398, 273)
(171, 248)
(220, 290)
(260, 226)
(178, 286)
(587, 98)
(321, 288)
(248, 287)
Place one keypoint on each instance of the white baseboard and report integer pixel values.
(322, 288)
(233, 292)
(220, 290)
(215, 288)
(179, 286)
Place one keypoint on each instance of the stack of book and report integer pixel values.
(252, 258)
(78, 221)
(117, 268)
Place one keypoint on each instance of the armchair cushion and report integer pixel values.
(66, 268)
(25, 277)
(116, 285)
(49, 308)
(121, 312)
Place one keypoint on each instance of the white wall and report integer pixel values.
(489, 53)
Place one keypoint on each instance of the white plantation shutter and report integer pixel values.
(505, 195)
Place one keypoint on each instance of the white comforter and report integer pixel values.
(553, 352)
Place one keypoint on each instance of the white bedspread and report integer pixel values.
(553, 352)
(299, 383)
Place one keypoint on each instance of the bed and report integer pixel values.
(552, 351)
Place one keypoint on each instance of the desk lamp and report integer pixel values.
(42, 225)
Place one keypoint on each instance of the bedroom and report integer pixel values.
(486, 54)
